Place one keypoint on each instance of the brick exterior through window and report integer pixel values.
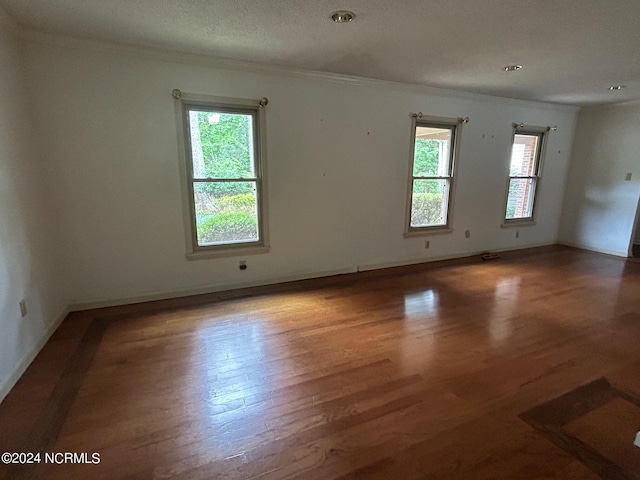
(523, 175)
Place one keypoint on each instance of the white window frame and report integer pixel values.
(256, 108)
(453, 124)
(542, 134)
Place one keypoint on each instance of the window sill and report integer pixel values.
(231, 252)
(427, 232)
(525, 222)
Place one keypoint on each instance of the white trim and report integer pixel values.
(525, 247)
(121, 49)
(8, 383)
(151, 297)
(228, 252)
(417, 261)
(414, 261)
(617, 253)
(635, 102)
(428, 231)
(518, 222)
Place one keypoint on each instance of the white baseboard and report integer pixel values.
(416, 261)
(413, 261)
(617, 253)
(152, 297)
(8, 383)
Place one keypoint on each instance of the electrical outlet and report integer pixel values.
(426, 244)
(517, 234)
(467, 233)
(23, 308)
(627, 176)
(243, 265)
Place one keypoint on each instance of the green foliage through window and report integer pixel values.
(425, 158)
(226, 227)
(226, 190)
(426, 209)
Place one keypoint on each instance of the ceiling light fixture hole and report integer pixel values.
(343, 16)
(512, 68)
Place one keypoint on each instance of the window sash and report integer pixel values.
(223, 180)
(255, 146)
(415, 223)
(516, 177)
(256, 178)
(202, 243)
(534, 178)
(412, 223)
(433, 177)
(530, 192)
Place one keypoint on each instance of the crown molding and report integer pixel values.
(185, 58)
(634, 103)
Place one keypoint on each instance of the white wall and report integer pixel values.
(28, 245)
(600, 206)
(338, 157)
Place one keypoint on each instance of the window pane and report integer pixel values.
(432, 152)
(226, 212)
(429, 203)
(221, 144)
(520, 200)
(523, 155)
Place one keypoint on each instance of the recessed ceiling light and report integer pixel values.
(512, 68)
(343, 16)
(617, 87)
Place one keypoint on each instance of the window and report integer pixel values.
(524, 173)
(224, 164)
(434, 144)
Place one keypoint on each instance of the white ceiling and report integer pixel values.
(572, 50)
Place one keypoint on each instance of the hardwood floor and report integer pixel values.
(524, 367)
